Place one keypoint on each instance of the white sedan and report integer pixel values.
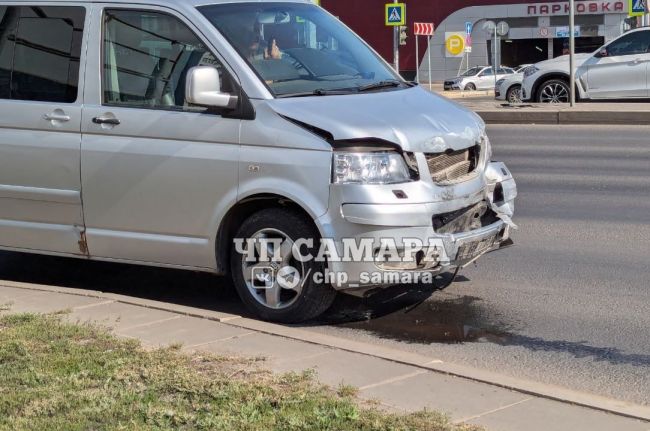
(477, 78)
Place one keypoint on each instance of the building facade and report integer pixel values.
(537, 31)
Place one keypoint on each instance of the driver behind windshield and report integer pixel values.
(272, 52)
(256, 49)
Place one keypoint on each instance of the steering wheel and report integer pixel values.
(297, 64)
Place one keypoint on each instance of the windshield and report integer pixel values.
(299, 48)
(472, 72)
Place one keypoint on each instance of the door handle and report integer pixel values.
(106, 120)
(55, 116)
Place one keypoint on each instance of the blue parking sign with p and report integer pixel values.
(395, 14)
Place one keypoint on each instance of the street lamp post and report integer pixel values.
(572, 51)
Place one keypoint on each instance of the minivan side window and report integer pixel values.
(40, 47)
(630, 44)
(8, 24)
(147, 56)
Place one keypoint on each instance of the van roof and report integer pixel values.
(162, 2)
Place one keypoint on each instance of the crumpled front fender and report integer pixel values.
(502, 191)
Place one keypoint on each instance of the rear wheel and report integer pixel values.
(470, 87)
(553, 91)
(280, 290)
(513, 95)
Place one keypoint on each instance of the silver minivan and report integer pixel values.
(259, 139)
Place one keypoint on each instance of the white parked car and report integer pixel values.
(477, 78)
(509, 88)
(618, 70)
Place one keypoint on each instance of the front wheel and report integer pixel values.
(553, 91)
(470, 87)
(272, 283)
(513, 95)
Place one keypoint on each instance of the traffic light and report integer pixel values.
(402, 34)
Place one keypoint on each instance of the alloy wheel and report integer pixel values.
(554, 92)
(274, 283)
(514, 95)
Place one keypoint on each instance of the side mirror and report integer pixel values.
(203, 88)
(602, 53)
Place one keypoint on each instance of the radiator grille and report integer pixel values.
(447, 167)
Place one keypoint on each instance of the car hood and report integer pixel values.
(563, 59)
(515, 77)
(415, 119)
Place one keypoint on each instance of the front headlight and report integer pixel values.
(370, 168)
(487, 148)
(530, 70)
(500, 81)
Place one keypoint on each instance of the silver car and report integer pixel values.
(477, 78)
(618, 70)
(263, 140)
(509, 88)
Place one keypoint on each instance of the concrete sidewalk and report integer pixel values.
(495, 112)
(399, 380)
(499, 112)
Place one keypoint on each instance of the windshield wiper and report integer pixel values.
(380, 84)
(317, 92)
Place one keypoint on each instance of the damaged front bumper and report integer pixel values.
(461, 228)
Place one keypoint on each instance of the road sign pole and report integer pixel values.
(417, 59)
(395, 17)
(396, 47)
(429, 55)
(494, 62)
(572, 51)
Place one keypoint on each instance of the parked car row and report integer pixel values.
(618, 70)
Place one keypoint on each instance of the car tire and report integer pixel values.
(303, 302)
(513, 95)
(553, 91)
(470, 87)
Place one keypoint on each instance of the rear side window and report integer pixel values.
(147, 56)
(40, 47)
(630, 44)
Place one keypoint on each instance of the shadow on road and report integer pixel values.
(194, 289)
(403, 313)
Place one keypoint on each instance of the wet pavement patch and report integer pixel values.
(419, 315)
(434, 321)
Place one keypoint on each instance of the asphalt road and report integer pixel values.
(568, 305)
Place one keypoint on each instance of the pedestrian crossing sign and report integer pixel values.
(395, 14)
(638, 7)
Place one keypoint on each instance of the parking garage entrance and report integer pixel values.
(529, 51)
